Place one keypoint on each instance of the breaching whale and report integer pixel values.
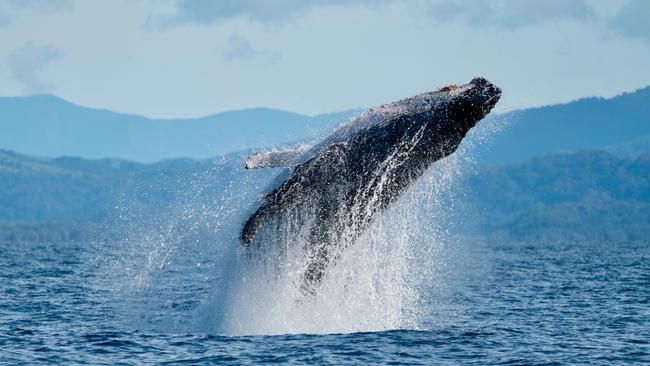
(346, 180)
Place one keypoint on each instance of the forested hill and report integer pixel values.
(585, 195)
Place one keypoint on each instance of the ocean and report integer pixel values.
(175, 286)
(494, 303)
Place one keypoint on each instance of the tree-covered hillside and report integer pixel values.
(586, 195)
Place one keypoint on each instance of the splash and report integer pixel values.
(379, 281)
(185, 270)
(161, 263)
(374, 285)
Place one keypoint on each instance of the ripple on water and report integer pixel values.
(510, 303)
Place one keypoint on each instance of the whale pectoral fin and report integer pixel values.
(296, 189)
(274, 159)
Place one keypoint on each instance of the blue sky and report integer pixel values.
(167, 58)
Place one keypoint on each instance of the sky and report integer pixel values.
(184, 58)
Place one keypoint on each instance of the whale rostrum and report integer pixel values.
(351, 176)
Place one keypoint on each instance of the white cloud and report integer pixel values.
(240, 49)
(508, 13)
(265, 11)
(4, 18)
(34, 6)
(500, 13)
(634, 20)
(332, 57)
(26, 64)
(46, 6)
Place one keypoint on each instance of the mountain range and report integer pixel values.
(46, 125)
(49, 126)
(619, 125)
(576, 171)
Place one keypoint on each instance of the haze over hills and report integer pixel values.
(50, 126)
(620, 125)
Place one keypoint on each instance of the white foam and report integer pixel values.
(380, 281)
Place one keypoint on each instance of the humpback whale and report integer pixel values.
(366, 164)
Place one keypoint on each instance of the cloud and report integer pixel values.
(240, 49)
(37, 6)
(498, 13)
(633, 20)
(505, 14)
(206, 12)
(43, 6)
(26, 64)
(4, 19)
(508, 13)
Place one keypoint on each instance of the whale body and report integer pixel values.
(355, 173)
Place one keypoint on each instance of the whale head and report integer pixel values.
(445, 116)
(482, 95)
(471, 102)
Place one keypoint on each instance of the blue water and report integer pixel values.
(530, 303)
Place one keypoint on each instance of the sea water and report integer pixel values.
(519, 303)
(177, 287)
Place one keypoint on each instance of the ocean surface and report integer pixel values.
(494, 303)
